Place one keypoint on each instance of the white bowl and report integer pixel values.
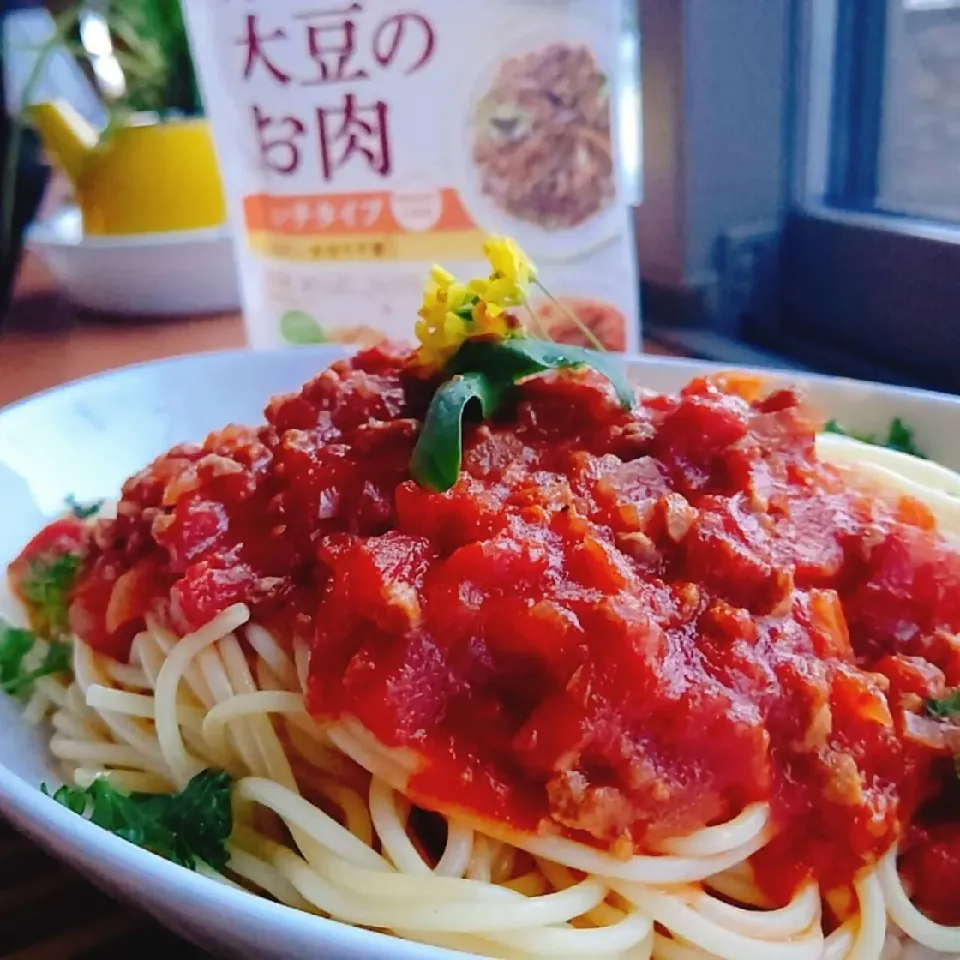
(149, 274)
(86, 438)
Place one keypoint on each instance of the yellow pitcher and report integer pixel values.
(146, 176)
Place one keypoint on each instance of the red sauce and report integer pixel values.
(617, 626)
(930, 866)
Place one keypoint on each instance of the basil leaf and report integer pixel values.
(439, 451)
(523, 357)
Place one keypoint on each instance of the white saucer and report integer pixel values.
(190, 271)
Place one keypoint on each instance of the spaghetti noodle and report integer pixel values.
(332, 818)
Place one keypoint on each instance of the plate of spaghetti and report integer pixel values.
(493, 646)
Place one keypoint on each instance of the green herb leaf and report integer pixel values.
(833, 426)
(15, 644)
(945, 708)
(485, 371)
(523, 357)
(83, 511)
(47, 589)
(899, 437)
(439, 450)
(189, 827)
(58, 659)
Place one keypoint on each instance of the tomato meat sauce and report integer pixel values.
(618, 626)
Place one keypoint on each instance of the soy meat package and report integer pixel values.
(362, 142)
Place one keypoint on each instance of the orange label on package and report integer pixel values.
(375, 212)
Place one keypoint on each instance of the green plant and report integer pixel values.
(151, 48)
(151, 41)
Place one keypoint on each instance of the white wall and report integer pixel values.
(716, 85)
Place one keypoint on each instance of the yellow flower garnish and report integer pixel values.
(513, 272)
(442, 327)
(510, 264)
(453, 312)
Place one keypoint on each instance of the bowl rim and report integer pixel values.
(56, 822)
(64, 230)
(632, 361)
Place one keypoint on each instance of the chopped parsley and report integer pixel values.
(899, 437)
(945, 708)
(46, 588)
(83, 511)
(189, 828)
(16, 643)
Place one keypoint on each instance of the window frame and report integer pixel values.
(796, 265)
(863, 290)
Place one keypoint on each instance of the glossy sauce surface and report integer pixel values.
(618, 626)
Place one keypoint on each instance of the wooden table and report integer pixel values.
(45, 342)
(46, 911)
